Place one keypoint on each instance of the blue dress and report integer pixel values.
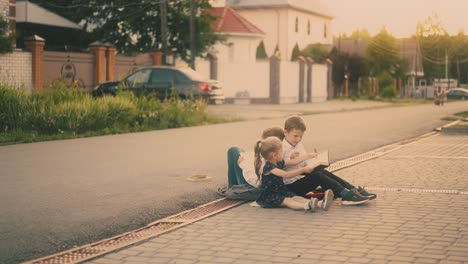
(273, 189)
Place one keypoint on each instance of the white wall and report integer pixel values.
(255, 78)
(279, 28)
(274, 24)
(319, 82)
(16, 69)
(289, 82)
(238, 49)
(302, 38)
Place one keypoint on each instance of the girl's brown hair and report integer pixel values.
(264, 149)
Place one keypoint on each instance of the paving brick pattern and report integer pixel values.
(398, 227)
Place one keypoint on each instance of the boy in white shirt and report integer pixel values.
(294, 129)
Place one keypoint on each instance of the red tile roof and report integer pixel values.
(229, 21)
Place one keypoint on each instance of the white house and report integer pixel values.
(242, 37)
(278, 23)
(286, 22)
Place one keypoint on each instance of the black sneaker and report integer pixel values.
(353, 197)
(366, 194)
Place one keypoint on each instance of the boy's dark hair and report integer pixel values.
(273, 132)
(294, 122)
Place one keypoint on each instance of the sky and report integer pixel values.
(399, 17)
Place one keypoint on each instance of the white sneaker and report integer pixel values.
(327, 199)
(312, 205)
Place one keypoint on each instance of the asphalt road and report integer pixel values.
(60, 194)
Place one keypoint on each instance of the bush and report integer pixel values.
(14, 108)
(385, 79)
(388, 92)
(62, 112)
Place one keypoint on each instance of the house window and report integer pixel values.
(297, 25)
(308, 27)
(325, 30)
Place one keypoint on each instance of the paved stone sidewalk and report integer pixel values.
(420, 216)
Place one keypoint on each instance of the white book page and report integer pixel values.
(322, 158)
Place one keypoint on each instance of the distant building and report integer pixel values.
(59, 32)
(285, 23)
(242, 37)
(409, 51)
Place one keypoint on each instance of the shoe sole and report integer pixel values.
(327, 199)
(354, 202)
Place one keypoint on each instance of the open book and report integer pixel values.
(320, 162)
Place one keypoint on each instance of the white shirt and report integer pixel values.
(288, 149)
(248, 168)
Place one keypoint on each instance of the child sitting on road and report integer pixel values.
(274, 192)
(294, 129)
(241, 163)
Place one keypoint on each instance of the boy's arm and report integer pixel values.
(290, 174)
(297, 160)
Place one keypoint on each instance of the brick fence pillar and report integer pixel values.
(157, 57)
(302, 62)
(310, 63)
(35, 45)
(330, 88)
(100, 64)
(275, 63)
(213, 66)
(110, 54)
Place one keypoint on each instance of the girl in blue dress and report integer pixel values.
(273, 191)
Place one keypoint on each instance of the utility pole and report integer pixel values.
(446, 69)
(192, 34)
(163, 8)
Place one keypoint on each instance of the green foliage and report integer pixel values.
(383, 53)
(388, 92)
(135, 26)
(64, 113)
(5, 38)
(296, 52)
(353, 66)
(317, 52)
(356, 35)
(261, 51)
(385, 79)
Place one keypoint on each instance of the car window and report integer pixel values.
(162, 76)
(181, 78)
(193, 75)
(139, 77)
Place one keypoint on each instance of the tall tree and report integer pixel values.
(383, 53)
(136, 26)
(434, 42)
(5, 38)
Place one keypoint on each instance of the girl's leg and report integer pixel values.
(235, 175)
(300, 199)
(300, 203)
(294, 204)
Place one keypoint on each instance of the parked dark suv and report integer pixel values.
(161, 79)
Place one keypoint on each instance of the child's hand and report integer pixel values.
(240, 159)
(309, 169)
(294, 155)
